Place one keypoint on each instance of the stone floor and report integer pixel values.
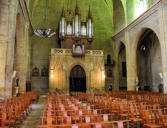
(33, 120)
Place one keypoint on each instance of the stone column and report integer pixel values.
(28, 51)
(116, 70)
(10, 46)
(4, 14)
(131, 64)
(163, 40)
(21, 52)
(25, 58)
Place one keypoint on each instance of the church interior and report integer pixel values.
(83, 63)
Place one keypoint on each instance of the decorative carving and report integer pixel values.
(93, 64)
(58, 51)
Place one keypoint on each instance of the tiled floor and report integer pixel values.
(33, 120)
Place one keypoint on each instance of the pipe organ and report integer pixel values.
(75, 31)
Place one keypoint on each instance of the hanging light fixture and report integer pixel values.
(46, 33)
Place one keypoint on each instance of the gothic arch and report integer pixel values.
(77, 79)
(148, 60)
(68, 71)
(74, 64)
(119, 45)
(140, 33)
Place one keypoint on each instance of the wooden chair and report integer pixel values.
(163, 117)
(150, 121)
(124, 111)
(135, 116)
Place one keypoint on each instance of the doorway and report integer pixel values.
(77, 79)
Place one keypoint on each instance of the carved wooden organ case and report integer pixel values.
(75, 34)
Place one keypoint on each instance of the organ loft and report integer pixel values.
(83, 63)
(70, 61)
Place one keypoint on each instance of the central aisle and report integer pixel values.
(33, 119)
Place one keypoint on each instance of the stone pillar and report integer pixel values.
(116, 69)
(4, 14)
(131, 65)
(163, 40)
(116, 78)
(25, 58)
(10, 47)
(21, 52)
(29, 55)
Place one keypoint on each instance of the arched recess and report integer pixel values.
(118, 15)
(149, 61)
(122, 67)
(77, 79)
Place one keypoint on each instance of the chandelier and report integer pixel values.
(46, 33)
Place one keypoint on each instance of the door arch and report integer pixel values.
(77, 79)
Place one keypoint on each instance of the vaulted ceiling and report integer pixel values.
(102, 12)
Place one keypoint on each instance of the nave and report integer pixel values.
(33, 120)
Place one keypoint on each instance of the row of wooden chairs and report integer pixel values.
(145, 112)
(83, 113)
(78, 111)
(15, 109)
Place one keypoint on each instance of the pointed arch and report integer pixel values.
(148, 60)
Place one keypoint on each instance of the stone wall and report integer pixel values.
(8, 38)
(154, 19)
(40, 52)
